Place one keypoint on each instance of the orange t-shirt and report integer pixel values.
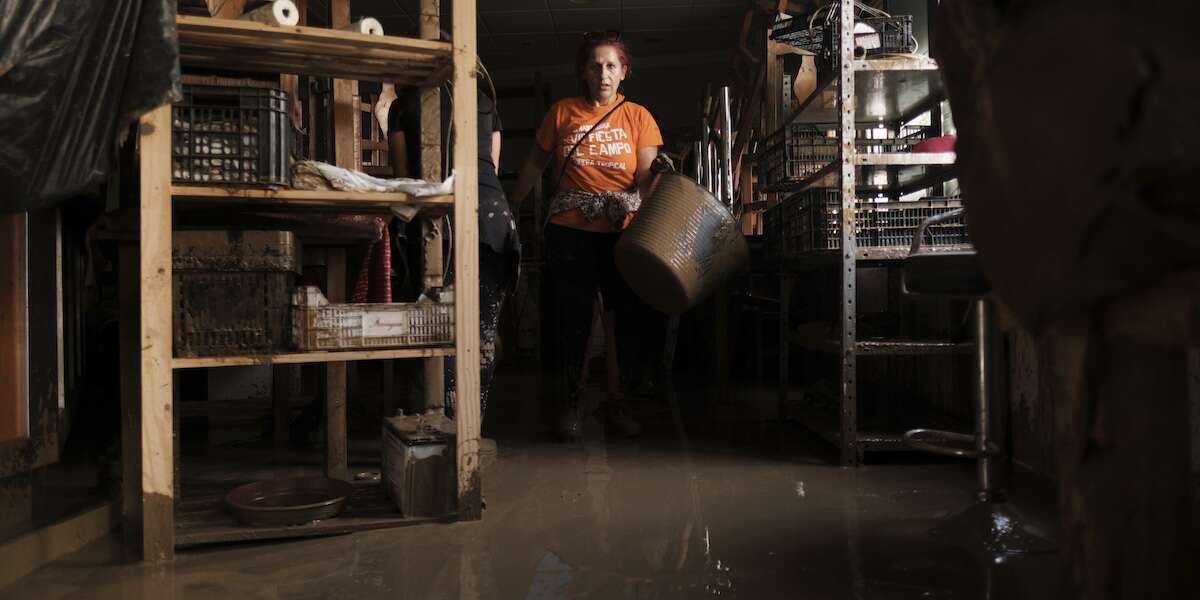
(606, 160)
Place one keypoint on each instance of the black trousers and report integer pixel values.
(578, 264)
(495, 278)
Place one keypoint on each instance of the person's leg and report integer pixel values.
(493, 287)
(571, 269)
(621, 303)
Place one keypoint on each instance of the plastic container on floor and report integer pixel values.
(418, 469)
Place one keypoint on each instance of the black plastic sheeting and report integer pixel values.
(73, 76)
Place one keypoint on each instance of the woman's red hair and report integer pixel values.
(593, 41)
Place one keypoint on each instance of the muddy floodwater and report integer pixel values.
(711, 502)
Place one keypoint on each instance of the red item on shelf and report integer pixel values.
(943, 143)
(374, 283)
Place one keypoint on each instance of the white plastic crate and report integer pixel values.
(319, 325)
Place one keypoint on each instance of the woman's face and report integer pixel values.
(604, 74)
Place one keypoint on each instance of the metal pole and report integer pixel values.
(850, 446)
(718, 169)
(705, 156)
(711, 176)
(982, 397)
(726, 148)
(698, 156)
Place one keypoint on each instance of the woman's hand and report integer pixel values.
(531, 171)
(645, 158)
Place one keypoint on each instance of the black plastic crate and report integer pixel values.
(796, 152)
(889, 140)
(895, 223)
(795, 32)
(802, 149)
(773, 231)
(895, 36)
(197, 8)
(812, 220)
(230, 313)
(232, 291)
(231, 134)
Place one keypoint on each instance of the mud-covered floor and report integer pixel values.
(712, 504)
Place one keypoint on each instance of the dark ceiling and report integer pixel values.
(544, 33)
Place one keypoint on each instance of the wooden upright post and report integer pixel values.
(14, 326)
(345, 112)
(466, 261)
(337, 465)
(158, 461)
(282, 376)
(131, 413)
(291, 83)
(345, 109)
(431, 229)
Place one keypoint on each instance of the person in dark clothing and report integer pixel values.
(499, 246)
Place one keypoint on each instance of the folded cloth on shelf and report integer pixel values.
(315, 175)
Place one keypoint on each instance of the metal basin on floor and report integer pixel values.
(289, 501)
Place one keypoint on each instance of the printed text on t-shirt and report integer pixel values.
(604, 141)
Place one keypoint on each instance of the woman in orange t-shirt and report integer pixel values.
(603, 146)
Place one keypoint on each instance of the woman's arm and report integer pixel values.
(531, 171)
(645, 157)
(496, 150)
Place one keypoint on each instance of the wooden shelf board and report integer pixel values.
(310, 357)
(203, 519)
(308, 198)
(250, 46)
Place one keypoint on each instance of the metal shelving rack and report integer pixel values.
(153, 504)
(885, 90)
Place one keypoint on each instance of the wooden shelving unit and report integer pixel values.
(149, 415)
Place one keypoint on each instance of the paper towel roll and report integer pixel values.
(368, 26)
(281, 13)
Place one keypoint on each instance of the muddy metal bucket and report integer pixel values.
(682, 244)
